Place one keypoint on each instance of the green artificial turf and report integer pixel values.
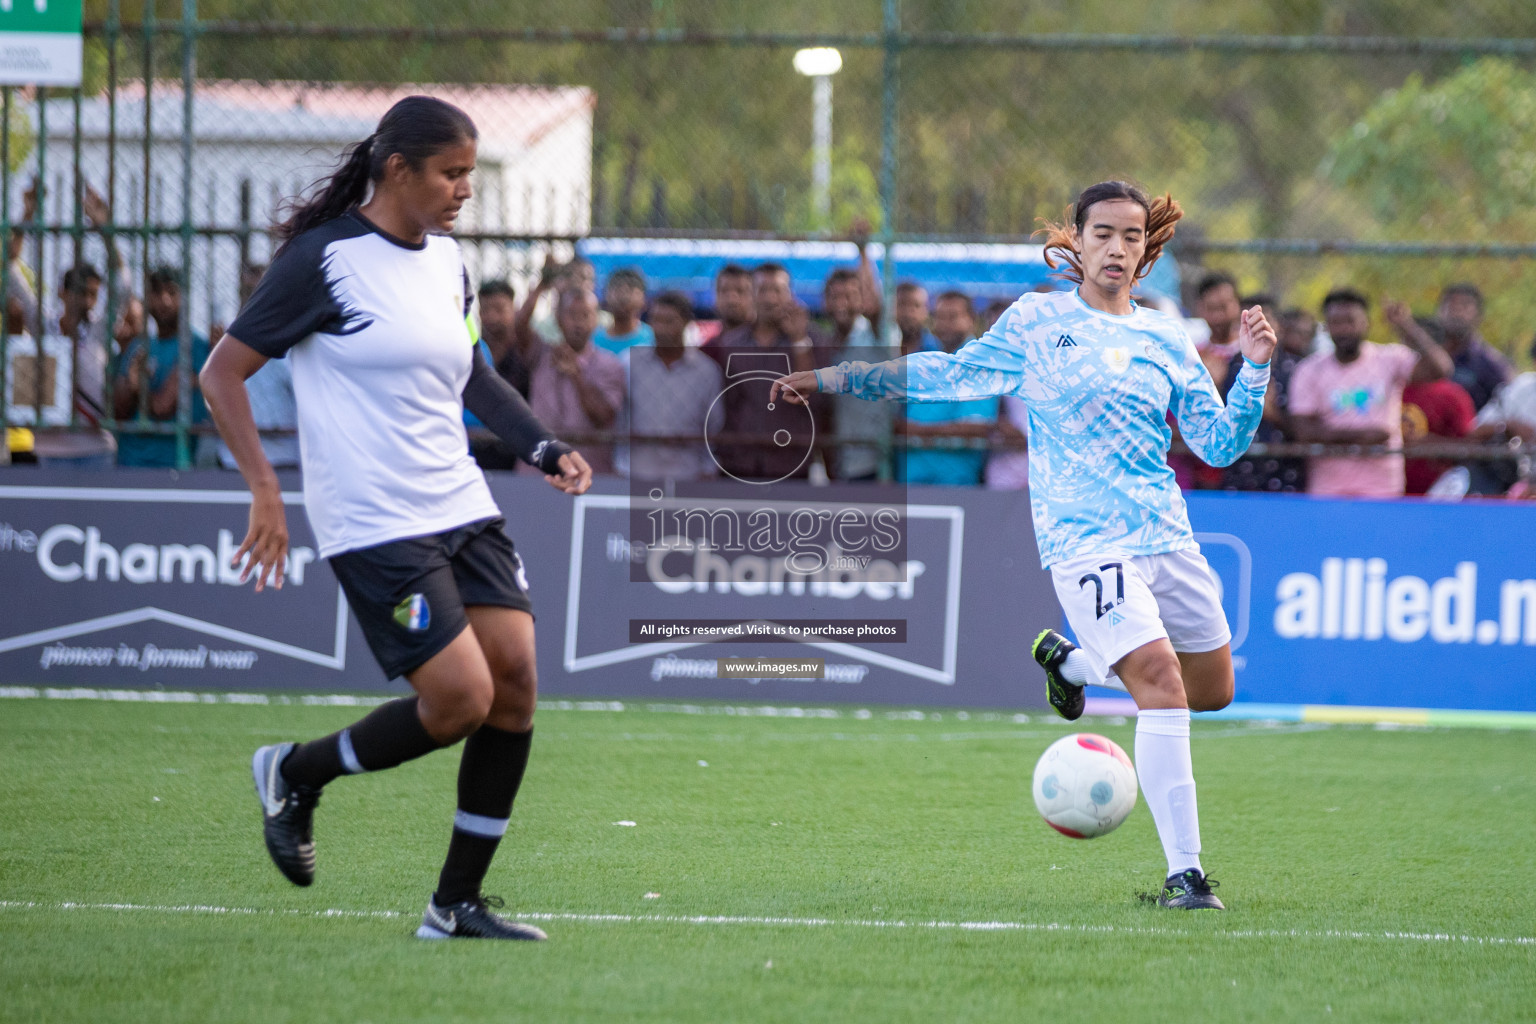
(1344, 852)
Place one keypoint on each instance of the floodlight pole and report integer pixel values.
(821, 150)
(819, 64)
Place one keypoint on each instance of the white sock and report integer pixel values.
(1075, 670)
(1168, 783)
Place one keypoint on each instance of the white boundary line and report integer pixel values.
(820, 922)
(660, 707)
(126, 696)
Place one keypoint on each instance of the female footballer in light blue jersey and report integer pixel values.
(1099, 375)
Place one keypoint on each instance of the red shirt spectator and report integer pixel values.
(1439, 409)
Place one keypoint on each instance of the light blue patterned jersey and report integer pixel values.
(1098, 388)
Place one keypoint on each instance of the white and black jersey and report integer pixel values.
(381, 356)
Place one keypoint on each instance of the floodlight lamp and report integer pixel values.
(818, 61)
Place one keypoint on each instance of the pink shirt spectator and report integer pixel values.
(554, 400)
(1364, 394)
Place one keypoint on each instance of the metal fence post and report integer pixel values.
(890, 84)
(890, 90)
(77, 237)
(5, 266)
(109, 229)
(40, 185)
(184, 381)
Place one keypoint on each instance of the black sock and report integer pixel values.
(388, 735)
(489, 774)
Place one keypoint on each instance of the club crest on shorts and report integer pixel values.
(413, 613)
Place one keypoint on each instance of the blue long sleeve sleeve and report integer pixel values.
(926, 377)
(1098, 387)
(1219, 432)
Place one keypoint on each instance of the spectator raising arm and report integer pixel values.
(20, 297)
(524, 337)
(98, 215)
(1434, 362)
(871, 302)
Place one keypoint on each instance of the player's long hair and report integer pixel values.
(1061, 236)
(416, 127)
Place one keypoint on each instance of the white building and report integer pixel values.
(257, 144)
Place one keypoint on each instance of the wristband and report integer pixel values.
(546, 456)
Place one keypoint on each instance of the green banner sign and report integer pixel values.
(40, 42)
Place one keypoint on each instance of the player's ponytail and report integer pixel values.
(416, 127)
(1162, 215)
(1061, 236)
(333, 196)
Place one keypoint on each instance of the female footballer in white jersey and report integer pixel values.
(370, 299)
(1099, 375)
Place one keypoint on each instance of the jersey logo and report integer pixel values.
(414, 613)
(1065, 341)
(1117, 359)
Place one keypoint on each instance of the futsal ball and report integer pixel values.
(1084, 785)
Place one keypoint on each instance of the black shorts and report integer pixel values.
(409, 595)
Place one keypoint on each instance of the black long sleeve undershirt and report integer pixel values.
(507, 415)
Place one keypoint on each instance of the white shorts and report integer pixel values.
(1116, 604)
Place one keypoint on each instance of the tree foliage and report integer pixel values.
(715, 135)
(1454, 158)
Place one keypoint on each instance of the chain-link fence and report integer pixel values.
(1388, 146)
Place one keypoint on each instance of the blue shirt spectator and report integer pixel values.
(954, 320)
(624, 300)
(148, 379)
(608, 341)
(958, 468)
(151, 363)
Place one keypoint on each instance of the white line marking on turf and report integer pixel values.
(1258, 727)
(194, 908)
(816, 922)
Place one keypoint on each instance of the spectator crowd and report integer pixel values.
(1361, 392)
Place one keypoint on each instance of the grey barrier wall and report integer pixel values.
(121, 580)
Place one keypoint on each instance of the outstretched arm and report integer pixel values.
(1219, 433)
(870, 299)
(524, 338)
(921, 377)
